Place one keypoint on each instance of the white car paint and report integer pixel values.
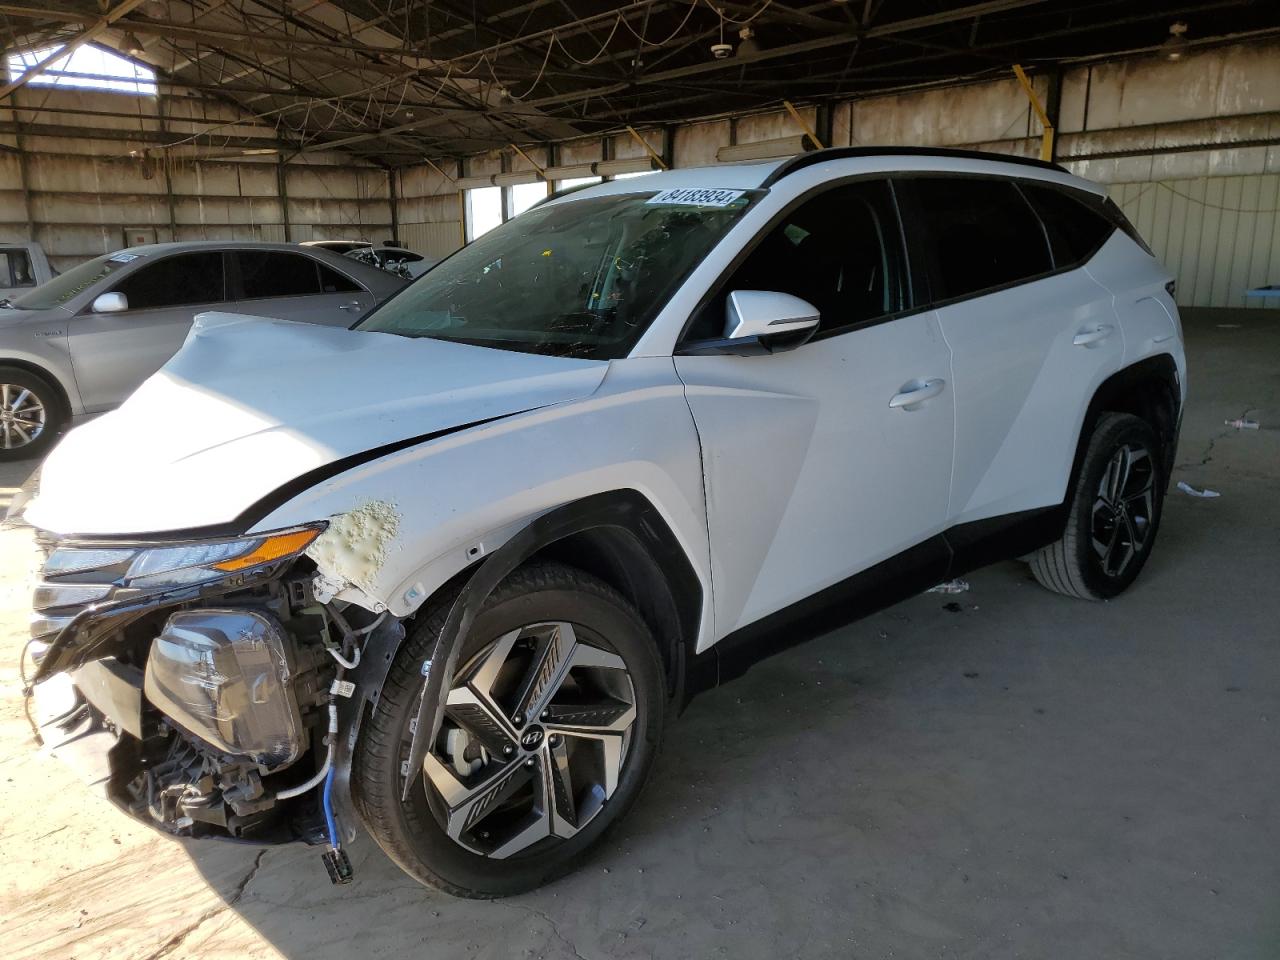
(806, 445)
(777, 474)
(231, 422)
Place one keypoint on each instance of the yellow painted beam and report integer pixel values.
(541, 172)
(1046, 141)
(808, 131)
(653, 154)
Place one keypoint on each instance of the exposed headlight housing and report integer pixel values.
(226, 677)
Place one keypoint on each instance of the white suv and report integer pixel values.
(448, 574)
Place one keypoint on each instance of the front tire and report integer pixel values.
(32, 414)
(552, 722)
(1114, 515)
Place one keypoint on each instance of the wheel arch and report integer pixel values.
(618, 536)
(641, 559)
(45, 374)
(1148, 389)
(602, 534)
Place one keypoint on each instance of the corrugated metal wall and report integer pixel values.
(1220, 236)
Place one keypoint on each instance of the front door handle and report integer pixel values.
(1086, 338)
(353, 305)
(921, 391)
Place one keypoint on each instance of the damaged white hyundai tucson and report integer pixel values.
(445, 576)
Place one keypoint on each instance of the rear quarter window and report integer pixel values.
(1076, 229)
(976, 234)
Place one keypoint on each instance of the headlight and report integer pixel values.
(197, 562)
(174, 564)
(77, 575)
(224, 676)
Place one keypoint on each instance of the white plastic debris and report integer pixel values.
(951, 586)
(1242, 424)
(1205, 494)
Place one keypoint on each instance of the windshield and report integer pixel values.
(583, 278)
(62, 288)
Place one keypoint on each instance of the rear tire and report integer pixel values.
(32, 414)
(570, 651)
(1114, 515)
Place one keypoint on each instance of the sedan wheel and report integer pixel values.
(31, 414)
(22, 416)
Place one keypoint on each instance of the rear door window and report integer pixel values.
(186, 278)
(1075, 230)
(975, 234)
(274, 273)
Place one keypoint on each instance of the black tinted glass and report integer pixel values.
(981, 234)
(1075, 230)
(175, 281)
(331, 281)
(271, 273)
(841, 251)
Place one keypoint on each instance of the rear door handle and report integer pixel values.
(353, 305)
(917, 394)
(1086, 338)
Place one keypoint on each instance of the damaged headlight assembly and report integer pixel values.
(85, 586)
(225, 668)
(181, 564)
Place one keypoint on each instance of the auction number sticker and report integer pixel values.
(697, 197)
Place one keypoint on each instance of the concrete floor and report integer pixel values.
(1027, 777)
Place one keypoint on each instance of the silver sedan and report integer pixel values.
(85, 340)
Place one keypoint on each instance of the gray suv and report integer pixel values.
(85, 340)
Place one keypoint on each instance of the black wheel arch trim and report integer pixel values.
(1150, 389)
(624, 512)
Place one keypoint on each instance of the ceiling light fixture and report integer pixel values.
(1176, 46)
(721, 50)
(132, 45)
(748, 46)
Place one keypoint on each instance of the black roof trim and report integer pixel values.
(803, 160)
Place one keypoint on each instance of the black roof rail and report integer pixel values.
(803, 160)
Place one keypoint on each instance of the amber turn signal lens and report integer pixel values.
(272, 548)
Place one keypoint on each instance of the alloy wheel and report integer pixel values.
(1124, 508)
(536, 731)
(22, 416)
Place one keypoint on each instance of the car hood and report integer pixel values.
(249, 404)
(11, 316)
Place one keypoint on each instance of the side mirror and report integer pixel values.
(110, 303)
(761, 321)
(763, 313)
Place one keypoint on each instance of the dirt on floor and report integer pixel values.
(1000, 773)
